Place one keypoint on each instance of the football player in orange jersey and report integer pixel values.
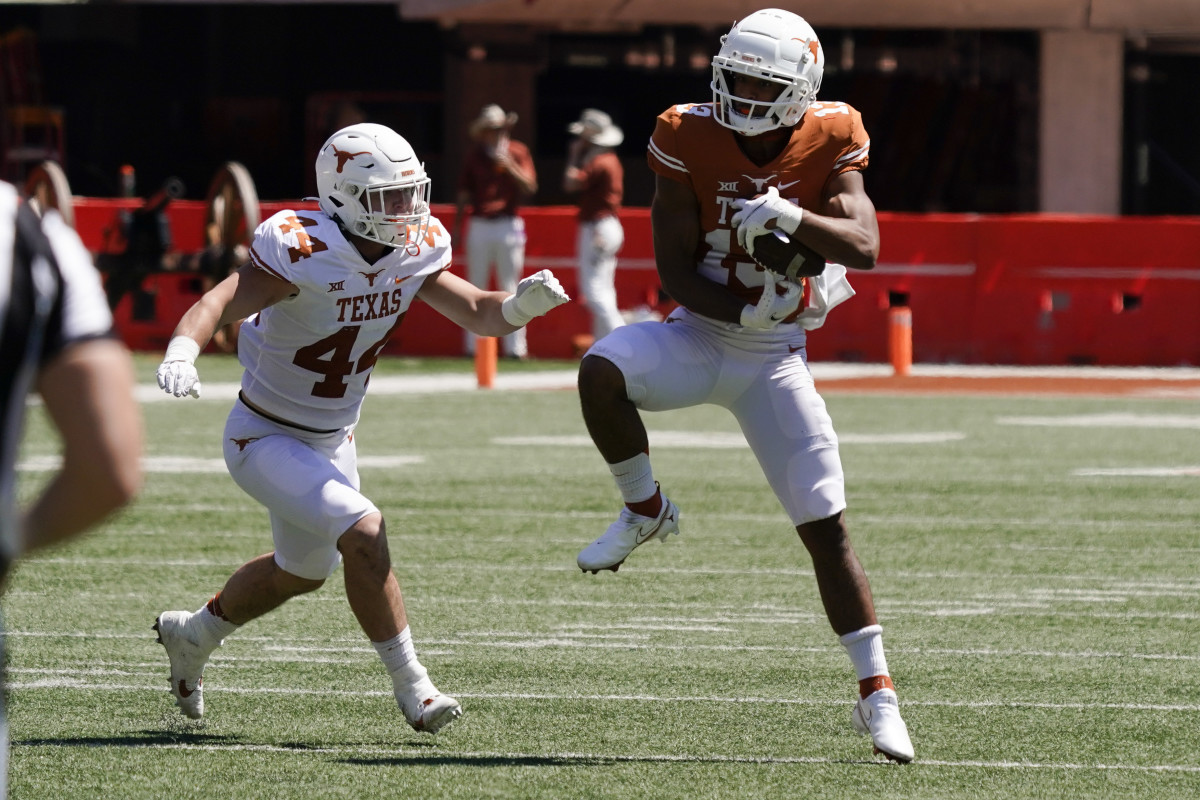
(763, 159)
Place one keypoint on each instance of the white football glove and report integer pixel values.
(535, 295)
(766, 213)
(177, 373)
(773, 308)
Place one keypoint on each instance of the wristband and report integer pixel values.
(789, 219)
(513, 315)
(182, 348)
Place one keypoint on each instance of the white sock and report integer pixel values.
(634, 478)
(400, 658)
(212, 629)
(866, 651)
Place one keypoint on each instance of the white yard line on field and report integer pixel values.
(727, 440)
(1106, 420)
(211, 690)
(822, 371)
(186, 464)
(1168, 587)
(417, 754)
(1138, 472)
(778, 518)
(536, 640)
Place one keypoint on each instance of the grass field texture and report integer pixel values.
(1033, 559)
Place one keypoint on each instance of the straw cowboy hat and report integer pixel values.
(596, 127)
(493, 117)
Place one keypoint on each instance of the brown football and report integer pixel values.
(774, 251)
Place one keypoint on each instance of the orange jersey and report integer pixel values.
(690, 146)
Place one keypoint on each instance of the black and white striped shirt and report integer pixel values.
(50, 298)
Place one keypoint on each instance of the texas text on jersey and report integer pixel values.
(314, 367)
(690, 146)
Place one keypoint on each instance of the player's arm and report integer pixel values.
(88, 393)
(846, 231)
(246, 291)
(487, 313)
(675, 220)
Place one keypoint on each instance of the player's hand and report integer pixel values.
(535, 295)
(766, 213)
(178, 378)
(772, 308)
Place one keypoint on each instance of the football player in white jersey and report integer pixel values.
(321, 295)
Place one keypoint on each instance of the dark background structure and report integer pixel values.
(178, 89)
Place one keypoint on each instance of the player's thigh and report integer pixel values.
(301, 552)
(310, 488)
(665, 366)
(791, 434)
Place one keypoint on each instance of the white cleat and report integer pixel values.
(627, 533)
(425, 708)
(879, 715)
(187, 661)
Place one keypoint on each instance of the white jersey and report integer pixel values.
(308, 358)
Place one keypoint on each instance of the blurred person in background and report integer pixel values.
(496, 177)
(595, 172)
(56, 337)
(321, 296)
(213, 264)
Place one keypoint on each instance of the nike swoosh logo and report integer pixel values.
(783, 186)
(795, 348)
(644, 537)
(184, 691)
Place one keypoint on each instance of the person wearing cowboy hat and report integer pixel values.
(595, 172)
(497, 174)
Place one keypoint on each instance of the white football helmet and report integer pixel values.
(772, 45)
(369, 180)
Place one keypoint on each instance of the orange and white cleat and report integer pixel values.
(425, 708)
(187, 661)
(878, 714)
(626, 534)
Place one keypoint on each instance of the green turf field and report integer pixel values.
(1041, 612)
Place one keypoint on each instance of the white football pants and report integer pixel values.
(763, 379)
(308, 482)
